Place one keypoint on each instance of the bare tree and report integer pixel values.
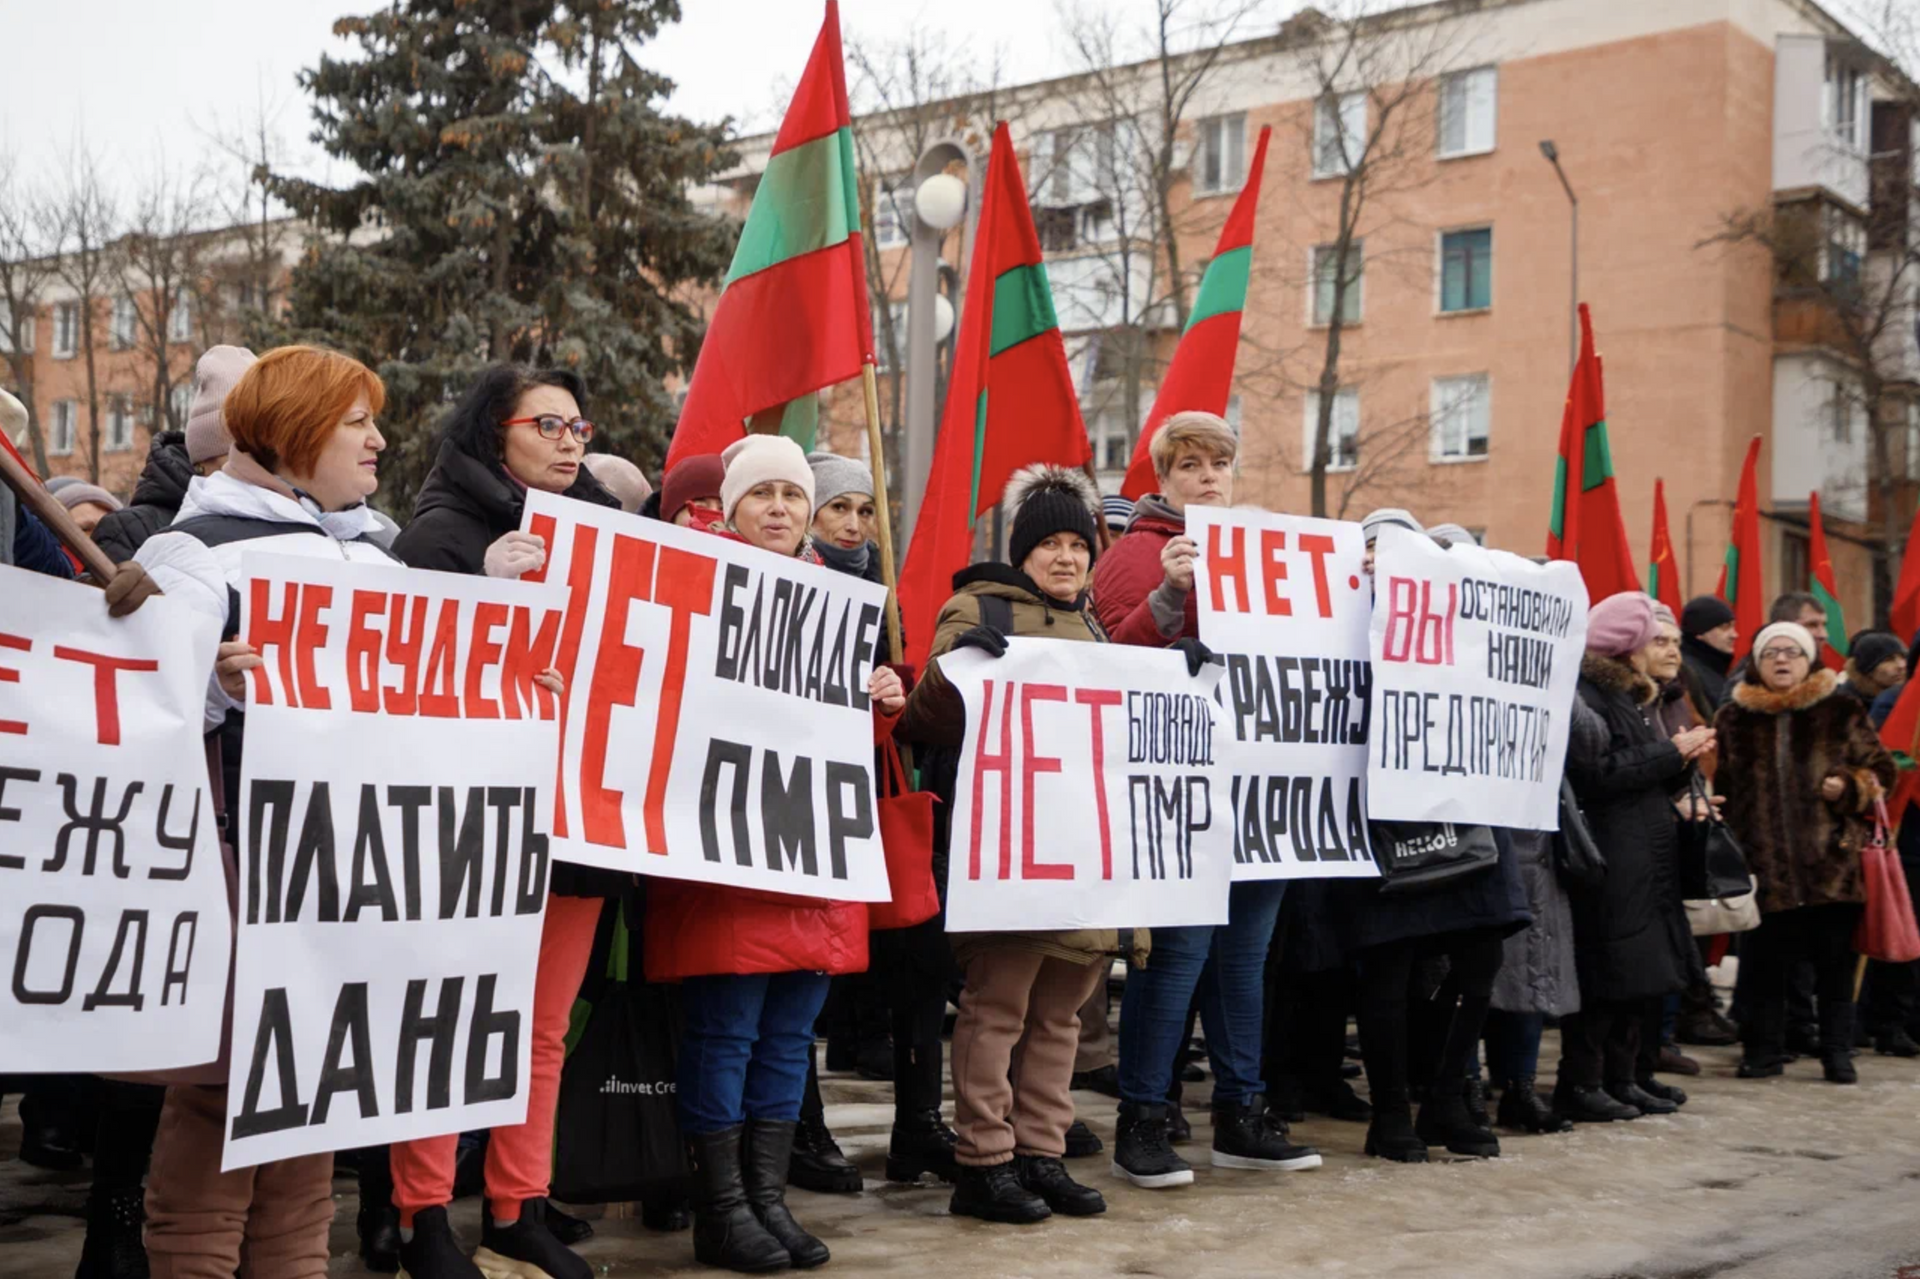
(159, 267)
(80, 224)
(240, 289)
(25, 269)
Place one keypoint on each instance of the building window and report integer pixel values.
(1795, 557)
(1343, 433)
(1339, 134)
(1462, 417)
(179, 405)
(896, 316)
(892, 215)
(180, 317)
(66, 417)
(119, 435)
(1844, 101)
(25, 345)
(1466, 270)
(1843, 245)
(120, 332)
(1326, 273)
(66, 330)
(1222, 155)
(1467, 110)
(1073, 201)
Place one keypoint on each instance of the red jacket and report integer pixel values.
(1129, 573)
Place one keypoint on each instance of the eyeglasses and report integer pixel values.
(1784, 653)
(552, 426)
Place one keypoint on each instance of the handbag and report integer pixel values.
(1711, 863)
(1886, 931)
(1576, 856)
(1419, 857)
(906, 837)
(1715, 916)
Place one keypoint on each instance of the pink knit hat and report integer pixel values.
(219, 368)
(1621, 623)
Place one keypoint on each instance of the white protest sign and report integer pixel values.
(1476, 655)
(1286, 599)
(1088, 794)
(114, 929)
(717, 725)
(395, 797)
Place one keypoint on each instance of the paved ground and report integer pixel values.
(1779, 1179)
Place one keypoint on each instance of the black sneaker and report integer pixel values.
(818, 1164)
(1048, 1178)
(1105, 1080)
(1760, 1068)
(1246, 1135)
(527, 1245)
(1142, 1154)
(1895, 1043)
(113, 1249)
(433, 1252)
(1629, 1093)
(995, 1194)
(1082, 1141)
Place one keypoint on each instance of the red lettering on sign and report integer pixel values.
(1273, 571)
(265, 631)
(438, 699)
(1036, 763)
(541, 526)
(483, 652)
(984, 762)
(579, 593)
(312, 635)
(1434, 646)
(10, 675)
(616, 682)
(528, 653)
(1398, 641)
(363, 651)
(684, 585)
(106, 691)
(403, 651)
(1225, 566)
(1318, 546)
(1096, 699)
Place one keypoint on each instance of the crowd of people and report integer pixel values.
(1668, 737)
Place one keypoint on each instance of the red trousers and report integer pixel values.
(520, 1158)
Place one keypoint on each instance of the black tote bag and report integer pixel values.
(1576, 856)
(1712, 863)
(1418, 857)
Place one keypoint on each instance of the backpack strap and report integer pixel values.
(997, 612)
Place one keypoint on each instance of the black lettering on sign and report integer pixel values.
(846, 824)
(532, 896)
(439, 1029)
(23, 953)
(726, 664)
(462, 857)
(786, 815)
(349, 1024)
(13, 861)
(174, 843)
(94, 823)
(260, 796)
(178, 963)
(503, 800)
(275, 1033)
(488, 1025)
(129, 919)
(740, 757)
(314, 856)
(410, 800)
(372, 883)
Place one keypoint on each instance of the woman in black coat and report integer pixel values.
(1631, 938)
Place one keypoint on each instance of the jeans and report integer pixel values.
(747, 1043)
(1513, 1045)
(1226, 965)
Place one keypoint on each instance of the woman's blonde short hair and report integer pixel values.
(1192, 429)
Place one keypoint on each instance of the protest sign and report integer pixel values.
(395, 797)
(717, 725)
(113, 896)
(1476, 654)
(1088, 793)
(1286, 600)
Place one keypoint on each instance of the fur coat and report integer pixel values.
(1776, 751)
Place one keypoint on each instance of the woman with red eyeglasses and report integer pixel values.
(515, 429)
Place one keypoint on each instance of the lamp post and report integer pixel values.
(1573, 319)
(940, 202)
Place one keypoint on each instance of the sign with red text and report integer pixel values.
(1286, 599)
(396, 794)
(114, 929)
(1089, 793)
(1476, 655)
(717, 725)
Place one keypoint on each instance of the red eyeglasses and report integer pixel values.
(552, 426)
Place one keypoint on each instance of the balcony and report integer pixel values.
(1821, 117)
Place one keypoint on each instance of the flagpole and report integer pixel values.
(883, 525)
(34, 497)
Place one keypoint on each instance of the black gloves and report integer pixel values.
(1197, 654)
(983, 637)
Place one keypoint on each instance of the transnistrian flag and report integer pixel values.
(1585, 525)
(792, 316)
(1904, 616)
(1663, 572)
(1200, 375)
(1901, 736)
(1740, 582)
(1010, 399)
(1834, 651)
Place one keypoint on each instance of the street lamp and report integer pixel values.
(941, 201)
(1573, 318)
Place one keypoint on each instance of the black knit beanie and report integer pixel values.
(1870, 648)
(1048, 500)
(1703, 613)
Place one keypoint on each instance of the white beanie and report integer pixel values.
(1388, 516)
(1788, 631)
(757, 459)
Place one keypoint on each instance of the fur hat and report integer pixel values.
(1787, 631)
(835, 476)
(691, 479)
(757, 459)
(219, 368)
(1621, 623)
(1043, 500)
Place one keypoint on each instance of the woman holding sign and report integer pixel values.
(754, 965)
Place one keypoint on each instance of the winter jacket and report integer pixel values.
(936, 716)
(35, 548)
(1776, 750)
(1883, 706)
(1674, 712)
(1630, 932)
(1537, 972)
(1131, 596)
(1493, 899)
(464, 507)
(700, 930)
(1704, 668)
(156, 499)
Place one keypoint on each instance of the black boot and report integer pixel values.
(113, 1249)
(48, 1136)
(921, 1143)
(1082, 1141)
(527, 1246)
(1142, 1152)
(1629, 1093)
(1390, 1134)
(726, 1233)
(1523, 1109)
(1663, 1091)
(1048, 1178)
(1446, 1120)
(1839, 1069)
(1590, 1104)
(1247, 1135)
(818, 1164)
(433, 1252)
(665, 1215)
(1179, 1131)
(1338, 1100)
(378, 1221)
(1476, 1098)
(1104, 1080)
(995, 1194)
(1895, 1043)
(769, 1150)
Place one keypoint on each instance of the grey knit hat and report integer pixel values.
(1452, 535)
(80, 493)
(835, 476)
(1388, 516)
(1117, 511)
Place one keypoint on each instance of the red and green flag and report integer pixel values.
(1663, 571)
(1904, 616)
(1821, 586)
(792, 316)
(1585, 525)
(1200, 375)
(1901, 736)
(1010, 399)
(1740, 581)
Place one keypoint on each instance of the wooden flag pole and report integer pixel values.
(883, 524)
(34, 496)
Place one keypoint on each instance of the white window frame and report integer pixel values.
(26, 326)
(893, 213)
(1443, 401)
(63, 427)
(119, 433)
(66, 330)
(1440, 269)
(1471, 98)
(1346, 112)
(1843, 102)
(180, 316)
(124, 324)
(1346, 412)
(1220, 142)
(1357, 295)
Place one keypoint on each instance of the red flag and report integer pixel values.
(1821, 585)
(1200, 375)
(1904, 616)
(1663, 572)
(793, 315)
(1585, 525)
(1740, 581)
(1010, 398)
(1901, 735)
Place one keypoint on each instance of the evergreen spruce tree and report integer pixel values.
(525, 199)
